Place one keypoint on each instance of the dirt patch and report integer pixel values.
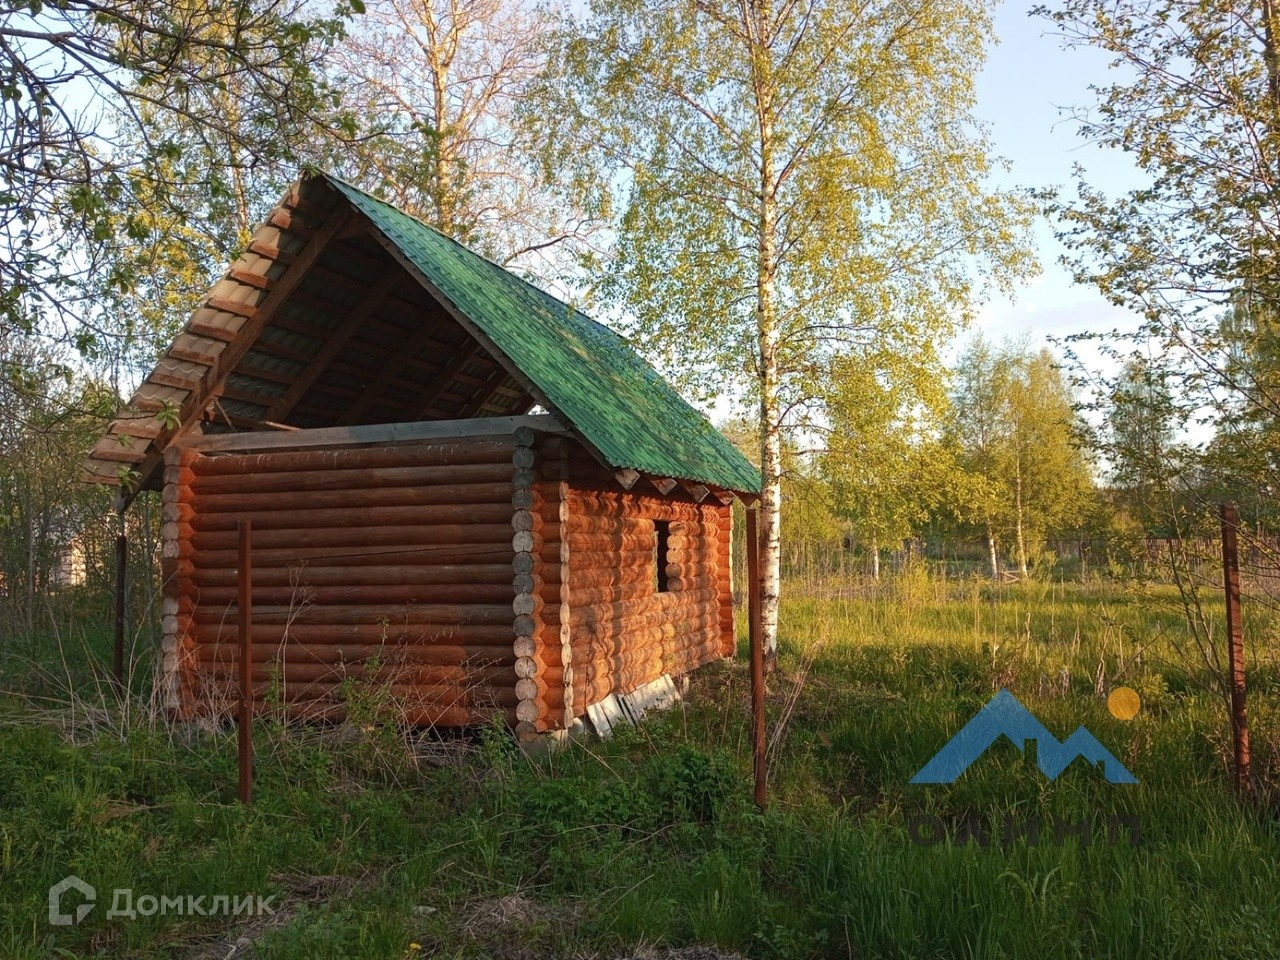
(514, 912)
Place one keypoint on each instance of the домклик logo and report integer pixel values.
(1005, 716)
(56, 916)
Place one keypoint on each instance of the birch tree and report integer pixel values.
(432, 89)
(792, 178)
(1014, 424)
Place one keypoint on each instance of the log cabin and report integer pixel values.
(464, 494)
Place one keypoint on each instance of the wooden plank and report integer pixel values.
(119, 453)
(192, 356)
(169, 380)
(663, 485)
(605, 715)
(463, 355)
(374, 433)
(485, 392)
(248, 278)
(695, 490)
(143, 427)
(200, 329)
(269, 251)
(478, 334)
(246, 310)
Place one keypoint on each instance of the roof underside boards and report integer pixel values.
(623, 408)
(357, 341)
(319, 324)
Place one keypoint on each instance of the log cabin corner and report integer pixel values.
(363, 390)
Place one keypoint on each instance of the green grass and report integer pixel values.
(650, 838)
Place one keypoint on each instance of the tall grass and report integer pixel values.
(381, 840)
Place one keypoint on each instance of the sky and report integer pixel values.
(1024, 92)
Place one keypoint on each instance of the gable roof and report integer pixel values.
(579, 369)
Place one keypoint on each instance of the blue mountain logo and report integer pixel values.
(1004, 716)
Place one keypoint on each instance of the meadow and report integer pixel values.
(377, 844)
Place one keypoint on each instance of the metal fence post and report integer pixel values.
(1235, 644)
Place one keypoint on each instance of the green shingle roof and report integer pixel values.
(612, 397)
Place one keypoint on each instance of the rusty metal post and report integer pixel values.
(1235, 644)
(117, 653)
(757, 654)
(245, 610)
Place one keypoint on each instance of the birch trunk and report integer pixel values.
(760, 24)
(1017, 498)
(991, 553)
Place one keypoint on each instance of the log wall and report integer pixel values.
(622, 631)
(454, 580)
(391, 566)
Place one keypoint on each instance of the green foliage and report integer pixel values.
(885, 466)
(114, 105)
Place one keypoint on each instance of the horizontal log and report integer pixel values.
(446, 635)
(607, 543)
(468, 656)
(492, 537)
(444, 557)
(620, 676)
(488, 574)
(635, 526)
(644, 646)
(354, 499)
(396, 617)
(638, 629)
(343, 517)
(552, 552)
(435, 593)
(669, 603)
(596, 503)
(644, 637)
(610, 593)
(353, 479)
(406, 673)
(554, 511)
(402, 455)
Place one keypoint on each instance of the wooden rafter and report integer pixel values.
(485, 392)
(284, 405)
(479, 335)
(466, 353)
